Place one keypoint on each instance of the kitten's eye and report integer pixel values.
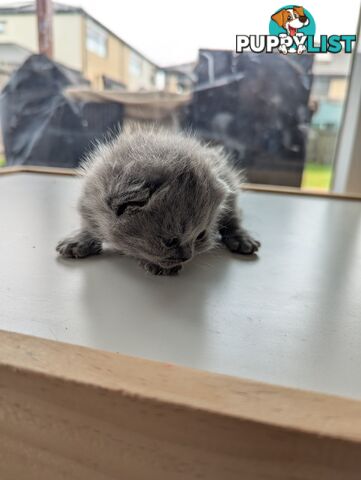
(122, 208)
(202, 235)
(171, 242)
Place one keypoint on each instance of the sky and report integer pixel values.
(171, 32)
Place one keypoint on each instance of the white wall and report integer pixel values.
(68, 50)
(22, 30)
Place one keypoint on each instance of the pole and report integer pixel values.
(44, 9)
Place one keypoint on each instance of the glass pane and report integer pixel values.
(328, 94)
(116, 63)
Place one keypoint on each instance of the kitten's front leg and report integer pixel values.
(82, 244)
(234, 236)
(157, 270)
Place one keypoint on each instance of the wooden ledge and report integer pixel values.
(247, 186)
(37, 169)
(298, 191)
(73, 412)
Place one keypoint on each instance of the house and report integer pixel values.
(329, 88)
(180, 78)
(328, 95)
(11, 57)
(84, 44)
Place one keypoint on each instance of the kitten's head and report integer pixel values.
(165, 217)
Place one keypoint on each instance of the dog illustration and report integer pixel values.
(291, 19)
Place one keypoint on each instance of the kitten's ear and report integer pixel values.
(133, 197)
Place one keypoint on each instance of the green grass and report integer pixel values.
(317, 176)
(2, 160)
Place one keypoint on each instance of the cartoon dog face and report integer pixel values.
(291, 19)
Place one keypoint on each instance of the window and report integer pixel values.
(160, 80)
(135, 64)
(97, 39)
(320, 86)
(338, 89)
(280, 117)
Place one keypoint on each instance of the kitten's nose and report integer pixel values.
(184, 254)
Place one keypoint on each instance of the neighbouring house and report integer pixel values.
(328, 94)
(84, 44)
(330, 87)
(180, 78)
(13, 56)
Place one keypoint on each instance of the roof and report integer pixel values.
(186, 69)
(29, 7)
(15, 46)
(13, 55)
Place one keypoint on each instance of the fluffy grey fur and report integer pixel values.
(160, 197)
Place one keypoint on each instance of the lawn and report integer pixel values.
(2, 160)
(317, 176)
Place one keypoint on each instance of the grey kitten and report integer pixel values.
(160, 197)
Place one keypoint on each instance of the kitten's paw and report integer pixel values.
(241, 243)
(78, 247)
(157, 270)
